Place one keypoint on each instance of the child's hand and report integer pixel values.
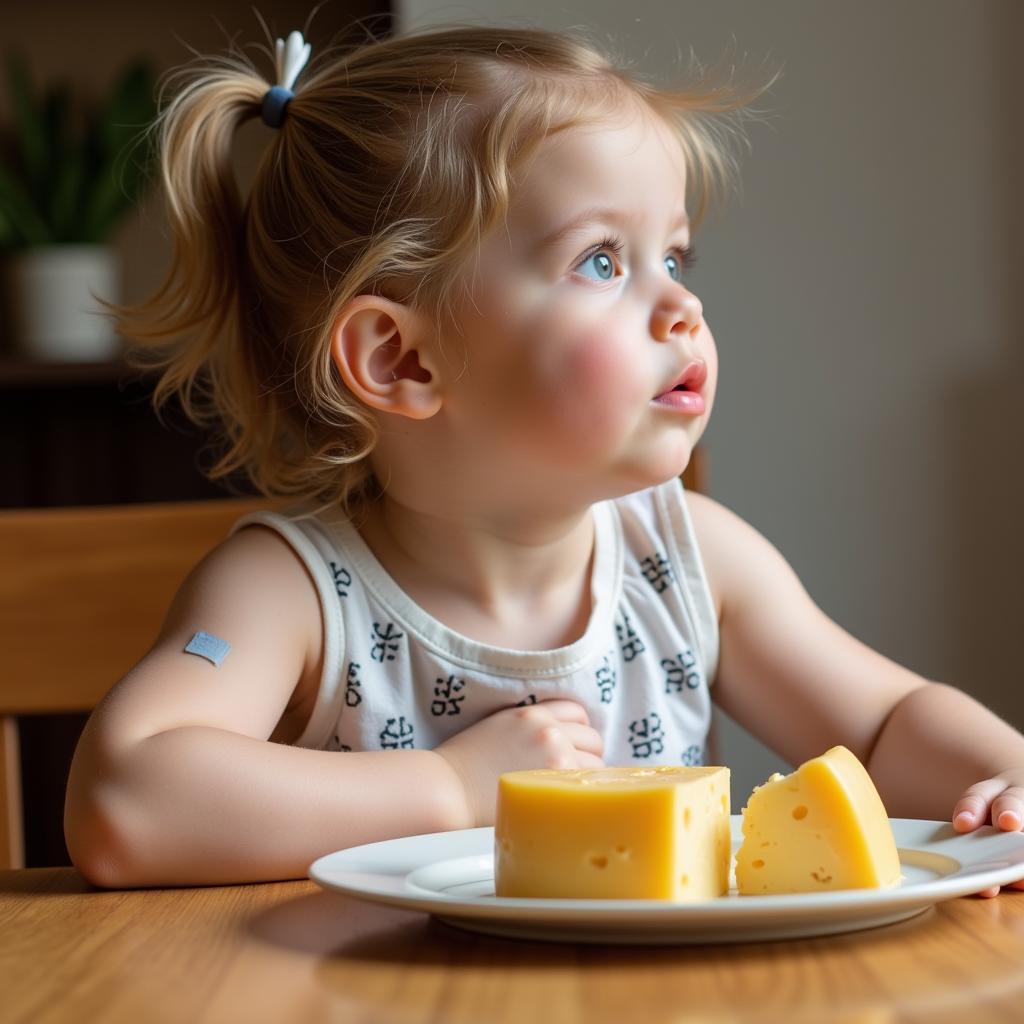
(998, 800)
(548, 734)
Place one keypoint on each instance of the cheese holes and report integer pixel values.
(800, 812)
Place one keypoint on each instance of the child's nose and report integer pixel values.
(677, 311)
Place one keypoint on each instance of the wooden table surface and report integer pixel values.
(292, 952)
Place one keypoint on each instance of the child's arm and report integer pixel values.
(174, 781)
(796, 680)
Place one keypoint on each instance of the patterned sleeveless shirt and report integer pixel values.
(395, 677)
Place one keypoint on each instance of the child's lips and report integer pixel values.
(685, 393)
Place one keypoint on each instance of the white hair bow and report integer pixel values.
(290, 58)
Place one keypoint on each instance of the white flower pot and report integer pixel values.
(51, 293)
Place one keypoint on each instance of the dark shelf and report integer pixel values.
(18, 373)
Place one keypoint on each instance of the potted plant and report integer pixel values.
(68, 172)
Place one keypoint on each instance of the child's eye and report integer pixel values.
(678, 261)
(600, 263)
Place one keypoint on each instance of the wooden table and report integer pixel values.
(292, 952)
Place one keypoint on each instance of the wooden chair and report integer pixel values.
(83, 592)
(695, 476)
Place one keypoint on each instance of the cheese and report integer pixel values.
(613, 833)
(823, 827)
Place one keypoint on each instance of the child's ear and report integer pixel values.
(384, 353)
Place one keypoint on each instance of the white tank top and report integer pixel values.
(395, 677)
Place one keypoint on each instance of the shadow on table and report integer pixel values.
(341, 927)
(836, 979)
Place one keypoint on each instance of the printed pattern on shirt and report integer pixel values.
(682, 672)
(353, 695)
(629, 639)
(693, 756)
(647, 736)
(657, 571)
(448, 696)
(385, 642)
(605, 679)
(342, 579)
(398, 734)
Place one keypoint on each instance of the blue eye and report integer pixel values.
(678, 262)
(598, 267)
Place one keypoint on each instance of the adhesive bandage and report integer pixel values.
(207, 646)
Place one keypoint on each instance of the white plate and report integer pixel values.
(451, 875)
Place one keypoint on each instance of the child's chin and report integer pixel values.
(654, 476)
(670, 465)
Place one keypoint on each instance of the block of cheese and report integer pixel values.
(823, 827)
(613, 833)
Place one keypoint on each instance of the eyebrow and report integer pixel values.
(593, 214)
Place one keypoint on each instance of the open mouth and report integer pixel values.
(685, 396)
(690, 382)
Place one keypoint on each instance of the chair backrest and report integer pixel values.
(83, 592)
(695, 476)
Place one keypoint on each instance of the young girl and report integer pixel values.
(451, 323)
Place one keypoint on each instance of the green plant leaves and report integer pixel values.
(70, 173)
(20, 224)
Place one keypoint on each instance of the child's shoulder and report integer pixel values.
(256, 552)
(738, 559)
(254, 576)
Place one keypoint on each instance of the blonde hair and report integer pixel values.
(394, 158)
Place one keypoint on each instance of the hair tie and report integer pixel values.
(289, 59)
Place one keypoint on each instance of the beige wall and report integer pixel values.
(865, 293)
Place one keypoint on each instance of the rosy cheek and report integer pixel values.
(596, 381)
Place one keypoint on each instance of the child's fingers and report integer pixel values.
(1008, 814)
(565, 710)
(1008, 809)
(583, 737)
(971, 810)
(991, 800)
(994, 890)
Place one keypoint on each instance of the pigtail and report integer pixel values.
(192, 328)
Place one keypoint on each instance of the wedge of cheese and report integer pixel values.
(823, 827)
(613, 833)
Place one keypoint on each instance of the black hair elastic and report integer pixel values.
(275, 103)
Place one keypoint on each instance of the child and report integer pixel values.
(451, 323)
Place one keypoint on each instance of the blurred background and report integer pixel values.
(863, 288)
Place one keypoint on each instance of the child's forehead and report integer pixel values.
(630, 131)
(629, 160)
